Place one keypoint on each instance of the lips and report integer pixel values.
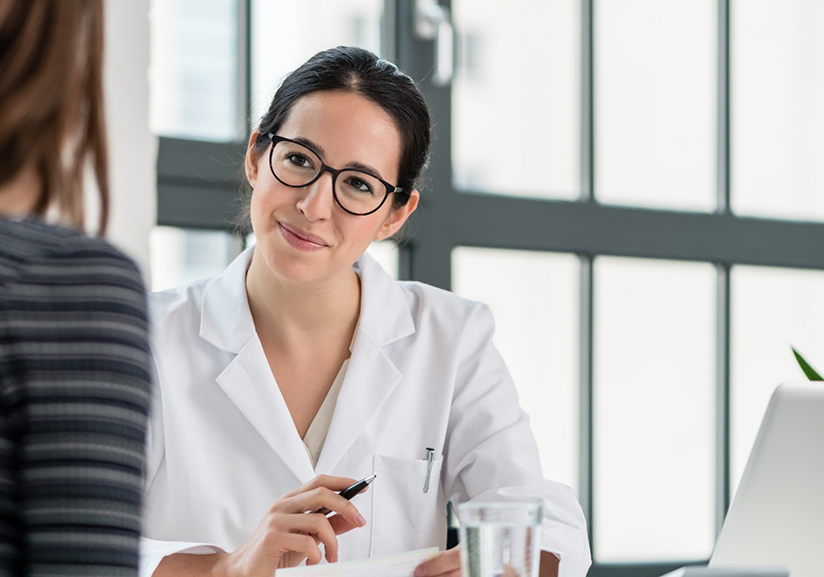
(300, 239)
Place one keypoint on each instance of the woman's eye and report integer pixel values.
(358, 185)
(299, 160)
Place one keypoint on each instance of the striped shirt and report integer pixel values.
(74, 397)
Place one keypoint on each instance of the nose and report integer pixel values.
(317, 200)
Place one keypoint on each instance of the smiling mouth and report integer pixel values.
(300, 239)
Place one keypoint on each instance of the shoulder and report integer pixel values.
(227, 289)
(32, 247)
(417, 296)
(173, 305)
(426, 298)
(432, 310)
(67, 270)
(69, 301)
(447, 318)
(214, 308)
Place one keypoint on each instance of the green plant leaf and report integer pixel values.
(808, 370)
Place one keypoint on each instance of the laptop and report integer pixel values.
(776, 517)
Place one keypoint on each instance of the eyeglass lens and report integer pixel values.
(296, 165)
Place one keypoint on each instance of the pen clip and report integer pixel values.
(430, 458)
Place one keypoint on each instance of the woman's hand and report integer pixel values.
(444, 564)
(289, 533)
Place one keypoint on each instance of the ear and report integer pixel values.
(398, 216)
(252, 159)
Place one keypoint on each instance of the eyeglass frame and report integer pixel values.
(390, 188)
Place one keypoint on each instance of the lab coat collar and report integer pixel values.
(384, 314)
(226, 322)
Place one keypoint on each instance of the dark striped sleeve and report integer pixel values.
(74, 397)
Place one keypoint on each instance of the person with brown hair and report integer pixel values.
(74, 355)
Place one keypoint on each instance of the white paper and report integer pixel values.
(401, 565)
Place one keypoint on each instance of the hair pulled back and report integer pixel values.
(359, 71)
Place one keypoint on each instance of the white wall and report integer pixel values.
(132, 147)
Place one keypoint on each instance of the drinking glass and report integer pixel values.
(500, 539)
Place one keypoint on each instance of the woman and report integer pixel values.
(74, 354)
(305, 366)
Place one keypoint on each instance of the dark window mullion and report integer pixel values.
(587, 194)
(722, 402)
(723, 110)
(587, 102)
(723, 319)
(244, 69)
(433, 225)
(585, 465)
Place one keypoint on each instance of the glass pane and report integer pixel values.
(516, 112)
(655, 103)
(777, 125)
(193, 69)
(286, 33)
(654, 410)
(773, 309)
(535, 300)
(179, 256)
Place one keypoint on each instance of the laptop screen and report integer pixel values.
(777, 514)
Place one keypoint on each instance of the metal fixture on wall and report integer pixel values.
(433, 22)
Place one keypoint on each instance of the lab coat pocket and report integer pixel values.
(405, 518)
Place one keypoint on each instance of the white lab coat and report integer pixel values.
(423, 373)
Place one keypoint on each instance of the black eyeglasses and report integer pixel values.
(357, 192)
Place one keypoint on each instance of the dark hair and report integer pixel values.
(359, 71)
(51, 101)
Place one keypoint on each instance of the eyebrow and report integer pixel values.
(318, 149)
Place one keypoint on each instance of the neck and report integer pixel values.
(18, 197)
(289, 313)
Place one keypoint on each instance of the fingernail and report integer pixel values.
(420, 571)
(335, 558)
(361, 521)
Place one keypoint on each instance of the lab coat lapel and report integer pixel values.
(249, 383)
(371, 376)
(226, 322)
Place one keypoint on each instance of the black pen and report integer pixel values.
(350, 492)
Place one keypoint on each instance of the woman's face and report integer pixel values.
(302, 234)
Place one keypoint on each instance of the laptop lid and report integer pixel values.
(776, 517)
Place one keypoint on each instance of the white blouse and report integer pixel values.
(316, 434)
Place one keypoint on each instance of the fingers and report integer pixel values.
(295, 513)
(321, 498)
(329, 481)
(340, 525)
(444, 564)
(306, 546)
(291, 531)
(305, 533)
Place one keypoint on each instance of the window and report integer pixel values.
(653, 425)
(194, 69)
(633, 188)
(535, 299)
